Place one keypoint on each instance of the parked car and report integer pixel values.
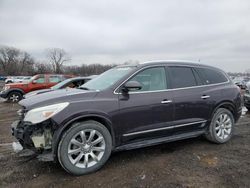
(241, 82)
(247, 96)
(128, 107)
(3, 78)
(69, 83)
(14, 92)
(16, 79)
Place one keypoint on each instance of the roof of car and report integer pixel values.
(81, 78)
(174, 62)
(170, 62)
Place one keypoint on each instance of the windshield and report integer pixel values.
(32, 78)
(60, 84)
(107, 78)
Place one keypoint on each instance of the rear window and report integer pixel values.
(182, 77)
(211, 76)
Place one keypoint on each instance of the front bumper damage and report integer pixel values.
(35, 137)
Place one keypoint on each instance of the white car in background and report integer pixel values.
(17, 79)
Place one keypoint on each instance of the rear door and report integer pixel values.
(146, 113)
(191, 107)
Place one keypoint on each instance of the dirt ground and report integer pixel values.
(188, 163)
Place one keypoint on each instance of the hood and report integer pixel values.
(57, 96)
(40, 91)
(17, 85)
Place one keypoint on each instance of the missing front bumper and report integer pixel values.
(37, 137)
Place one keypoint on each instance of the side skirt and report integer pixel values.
(157, 141)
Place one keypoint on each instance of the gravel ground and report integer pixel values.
(188, 163)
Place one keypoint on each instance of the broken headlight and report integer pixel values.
(38, 115)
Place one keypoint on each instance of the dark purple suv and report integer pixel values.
(128, 107)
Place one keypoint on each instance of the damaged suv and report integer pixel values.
(128, 107)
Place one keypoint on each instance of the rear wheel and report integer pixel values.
(221, 127)
(14, 96)
(84, 148)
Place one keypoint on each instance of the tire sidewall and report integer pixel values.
(213, 125)
(63, 147)
(16, 93)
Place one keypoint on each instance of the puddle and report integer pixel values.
(210, 161)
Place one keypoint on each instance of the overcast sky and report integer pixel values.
(215, 32)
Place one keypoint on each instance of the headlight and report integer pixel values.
(38, 115)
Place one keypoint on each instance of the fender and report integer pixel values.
(226, 104)
(87, 116)
(14, 89)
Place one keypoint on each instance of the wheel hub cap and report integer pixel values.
(223, 126)
(86, 148)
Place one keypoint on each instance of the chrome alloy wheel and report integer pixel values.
(223, 126)
(14, 98)
(86, 148)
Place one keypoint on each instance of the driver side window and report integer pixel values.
(40, 80)
(151, 79)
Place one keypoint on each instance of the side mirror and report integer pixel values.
(131, 86)
(34, 81)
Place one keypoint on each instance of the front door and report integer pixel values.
(148, 112)
(38, 83)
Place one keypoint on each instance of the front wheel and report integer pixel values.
(221, 127)
(84, 148)
(14, 96)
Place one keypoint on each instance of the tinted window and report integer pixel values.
(54, 79)
(40, 80)
(182, 77)
(211, 76)
(151, 79)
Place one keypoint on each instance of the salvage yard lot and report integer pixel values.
(187, 163)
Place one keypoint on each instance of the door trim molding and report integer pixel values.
(164, 128)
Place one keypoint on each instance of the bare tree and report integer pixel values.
(8, 58)
(57, 57)
(15, 62)
(42, 68)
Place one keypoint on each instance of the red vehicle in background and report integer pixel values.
(14, 92)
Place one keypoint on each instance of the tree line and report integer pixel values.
(15, 62)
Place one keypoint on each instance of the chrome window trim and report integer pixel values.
(222, 83)
(163, 128)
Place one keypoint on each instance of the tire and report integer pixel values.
(70, 142)
(14, 96)
(221, 128)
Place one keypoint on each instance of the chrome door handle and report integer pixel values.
(166, 101)
(205, 96)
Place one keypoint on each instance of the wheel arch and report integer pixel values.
(229, 105)
(16, 90)
(95, 117)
